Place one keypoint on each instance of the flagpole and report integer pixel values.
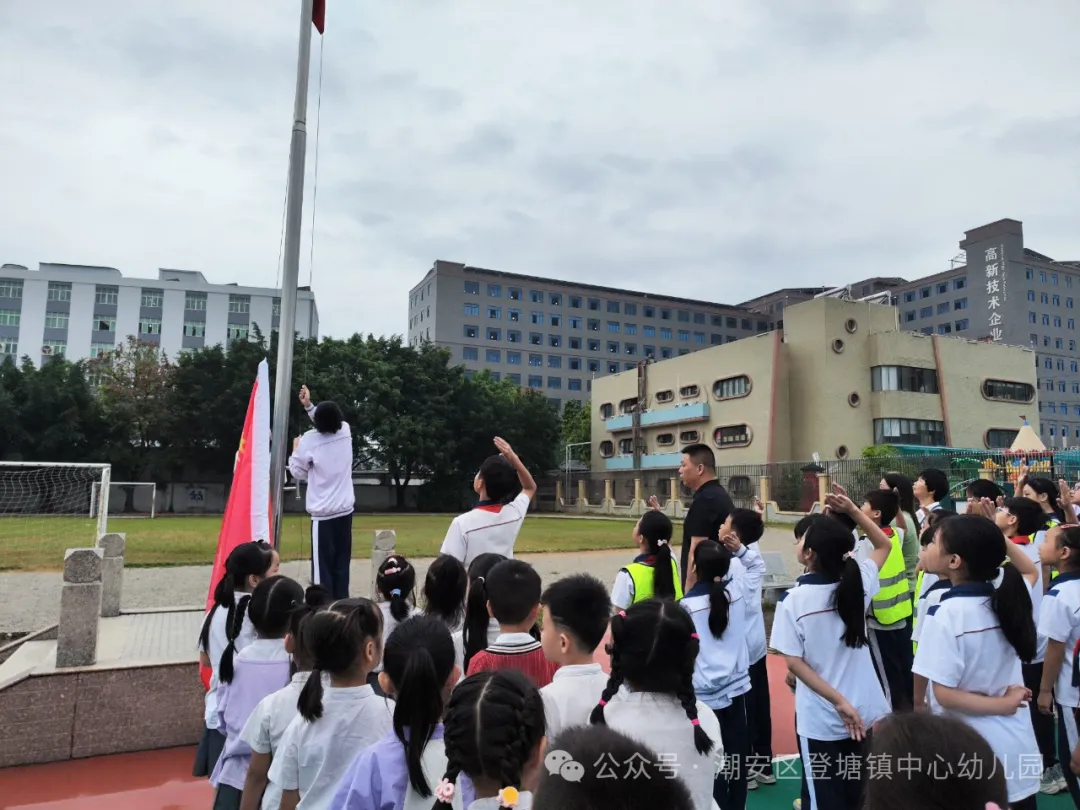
(280, 444)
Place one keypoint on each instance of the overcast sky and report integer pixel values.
(708, 150)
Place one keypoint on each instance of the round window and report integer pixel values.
(838, 346)
(851, 326)
(842, 451)
(853, 399)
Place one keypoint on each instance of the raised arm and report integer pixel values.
(305, 401)
(881, 543)
(528, 485)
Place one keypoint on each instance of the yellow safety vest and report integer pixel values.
(892, 603)
(642, 576)
(1051, 524)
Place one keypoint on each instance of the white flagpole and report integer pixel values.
(283, 394)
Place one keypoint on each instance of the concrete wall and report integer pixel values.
(210, 499)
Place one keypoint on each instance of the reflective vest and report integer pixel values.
(892, 603)
(642, 576)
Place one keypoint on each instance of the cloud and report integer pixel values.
(715, 151)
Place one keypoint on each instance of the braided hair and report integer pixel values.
(653, 648)
(492, 727)
(335, 638)
(474, 632)
(269, 608)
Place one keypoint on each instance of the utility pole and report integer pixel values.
(642, 393)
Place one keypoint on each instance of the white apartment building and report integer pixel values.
(79, 311)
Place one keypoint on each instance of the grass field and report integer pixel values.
(38, 544)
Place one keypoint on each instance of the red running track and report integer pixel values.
(161, 780)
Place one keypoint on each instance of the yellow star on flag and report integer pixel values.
(243, 441)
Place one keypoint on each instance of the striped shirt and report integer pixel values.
(518, 651)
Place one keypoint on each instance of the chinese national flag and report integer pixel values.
(318, 15)
(247, 513)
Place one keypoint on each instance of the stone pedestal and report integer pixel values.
(112, 572)
(559, 492)
(673, 496)
(609, 497)
(383, 545)
(80, 607)
(582, 496)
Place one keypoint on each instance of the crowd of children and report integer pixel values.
(913, 630)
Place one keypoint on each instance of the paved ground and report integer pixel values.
(32, 601)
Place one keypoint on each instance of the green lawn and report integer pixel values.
(38, 544)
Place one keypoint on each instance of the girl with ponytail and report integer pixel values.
(337, 717)
(820, 629)
(227, 629)
(479, 629)
(976, 639)
(654, 572)
(494, 743)
(653, 649)
(404, 767)
(395, 582)
(717, 604)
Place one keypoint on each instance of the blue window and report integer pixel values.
(555, 299)
(1057, 321)
(665, 333)
(493, 356)
(536, 318)
(927, 330)
(471, 331)
(513, 315)
(630, 328)
(472, 310)
(612, 368)
(575, 302)
(943, 307)
(648, 312)
(1056, 299)
(1044, 298)
(665, 353)
(629, 309)
(575, 323)
(554, 361)
(962, 325)
(536, 382)
(536, 297)
(494, 313)
(926, 312)
(470, 353)
(699, 337)
(514, 378)
(613, 327)
(699, 317)
(649, 351)
(555, 341)
(1054, 279)
(959, 303)
(909, 316)
(1029, 273)
(1032, 318)
(612, 347)
(630, 349)
(573, 384)
(684, 336)
(472, 287)
(1046, 320)
(1031, 295)
(513, 358)
(665, 314)
(1042, 276)
(1068, 303)
(594, 345)
(684, 316)
(648, 331)
(536, 360)
(494, 290)
(909, 297)
(575, 343)
(715, 339)
(960, 283)
(493, 333)
(575, 364)
(613, 306)
(943, 288)
(944, 329)
(513, 293)
(513, 336)
(924, 292)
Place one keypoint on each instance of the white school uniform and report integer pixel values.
(809, 627)
(325, 462)
(1059, 620)
(493, 632)
(933, 588)
(266, 728)
(749, 566)
(722, 666)
(660, 723)
(487, 529)
(315, 756)
(218, 642)
(962, 647)
(1031, 551)
(922, 514)
(389, 623)
(571, 696)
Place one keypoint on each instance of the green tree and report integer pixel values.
(59, 418)
(576, 428)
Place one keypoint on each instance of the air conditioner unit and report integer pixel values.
(46, 350)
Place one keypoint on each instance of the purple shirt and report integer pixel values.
(254, 678)
(378, 778)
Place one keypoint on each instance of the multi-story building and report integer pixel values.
(557, 336)
(80, 311)
(840, 376)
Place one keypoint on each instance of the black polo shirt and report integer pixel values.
(707, 513)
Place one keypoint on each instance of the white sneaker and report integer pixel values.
(1053, 781)
(751, 784)
(796, 805)
(763, 778)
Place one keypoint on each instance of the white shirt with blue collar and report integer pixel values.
(722, 666)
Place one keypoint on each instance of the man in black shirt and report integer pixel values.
(711, 505)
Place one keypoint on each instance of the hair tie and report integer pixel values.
(695, 636)
(661, 542)
(508, 797)
(603, 702)
(391, 571)
(445, 791)
(395, 592)
(849, 556)
(996, 581)
(695, 722)
(479, 580)
(622, 613)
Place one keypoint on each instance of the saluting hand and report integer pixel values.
(305, 397)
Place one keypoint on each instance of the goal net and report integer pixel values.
(45, 510)
(127, 499)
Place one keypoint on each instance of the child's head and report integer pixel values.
(513, 592)
(881, 506)
(577, 751)
(246, 566)
(1045, 493)
(828, 550)
(981, 488)
(1020, 517)
(269, 608)
(576, 613)
(345, 641)
(475, 630)
(444, 590)
(653, 648)
(805, 523)
(712, 562)
(971, 550)
(904, 489)
(395, 580)
(494, 733)
(746, 524)
(1061, 548)
(965, 774)
(927, 536)
(931, 486)
(653, 533)
(419, 673)
(316, 597)
(497, 480)
(328, 417)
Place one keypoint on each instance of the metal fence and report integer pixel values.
(794, 484)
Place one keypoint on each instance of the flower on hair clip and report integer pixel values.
(390, 571)
(508, 797)
(445, 791)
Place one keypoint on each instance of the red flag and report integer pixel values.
(318, 15)
(247, 513)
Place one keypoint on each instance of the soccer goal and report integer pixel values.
(46, 505)
(127, 499)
